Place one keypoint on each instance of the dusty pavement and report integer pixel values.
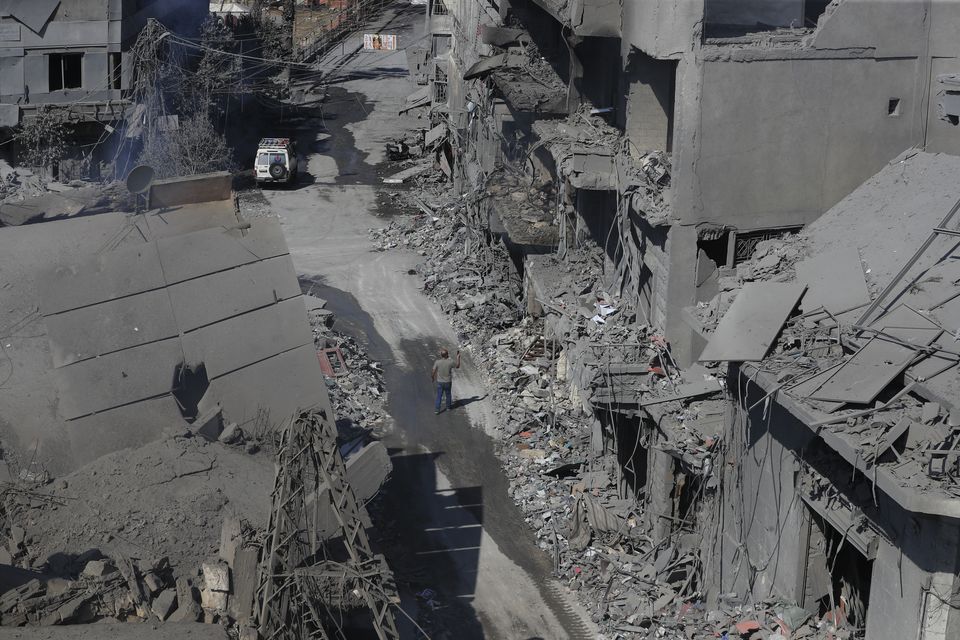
(453, 529)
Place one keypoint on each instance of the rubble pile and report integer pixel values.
(356, 387)
(463, 283)
(549, 377)
(354, 380)
(118, 588)
(559, 474)
(103, 543)
(19, 183)
(648, 177)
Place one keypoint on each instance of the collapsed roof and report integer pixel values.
(876, 380)
(120, 326)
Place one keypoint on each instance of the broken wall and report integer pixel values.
(647, 110)
(759, 550)
(799, 134)
(942, 133)
(762, 544)
(208, 187)
(662, 28)
(772, 13)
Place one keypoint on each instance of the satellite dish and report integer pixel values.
(140, 179)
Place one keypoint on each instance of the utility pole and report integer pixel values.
(289, 21)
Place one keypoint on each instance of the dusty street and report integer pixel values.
(453, 528)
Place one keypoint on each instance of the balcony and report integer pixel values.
(526, 81)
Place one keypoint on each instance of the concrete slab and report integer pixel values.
(101, 277)
(273, 389)
(110, 326)
(117, 379)
(753, 322)
(222, 295)
(834, 280)
(196, 254)
(249, 338)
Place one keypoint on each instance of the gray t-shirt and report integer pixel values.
(444, 367)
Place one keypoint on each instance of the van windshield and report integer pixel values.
(266, 159)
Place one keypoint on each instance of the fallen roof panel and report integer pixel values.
(834, 280)
(485, 66)
(269, 391)
(222, 295)
(803, 389)
(262, 333)
(120, 378)
(881, 359)
(110, 326)
(216, 249)
(753, 322)
(116, 274)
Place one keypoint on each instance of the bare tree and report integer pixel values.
(43, 139)
(194, 147)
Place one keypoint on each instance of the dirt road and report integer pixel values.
(450, 524)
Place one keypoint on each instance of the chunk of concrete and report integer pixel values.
(231, 434)
(216, 576)
(187, 608)
(213, 600)
(98, 568)
(164, 604)
(209, 424)
(152, 583)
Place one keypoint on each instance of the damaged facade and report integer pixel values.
(76, 54)
(631, 163)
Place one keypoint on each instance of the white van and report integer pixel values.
(276, 161)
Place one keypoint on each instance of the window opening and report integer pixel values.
(745, 244)
(65, 71)
(116, 71)
(893, 107)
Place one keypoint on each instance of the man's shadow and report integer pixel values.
(462, 402)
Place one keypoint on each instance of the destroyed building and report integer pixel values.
(640, 162)
(841, 456)
(161, 364)
(76, 55)
(702, 127)
(125, 324)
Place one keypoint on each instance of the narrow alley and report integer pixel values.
(454, 527)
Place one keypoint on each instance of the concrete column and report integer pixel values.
(659, 497)
(681, 291)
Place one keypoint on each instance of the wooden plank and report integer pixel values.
(753, 322)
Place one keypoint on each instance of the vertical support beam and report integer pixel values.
(658, 499)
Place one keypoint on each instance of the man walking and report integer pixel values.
(442, 375)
